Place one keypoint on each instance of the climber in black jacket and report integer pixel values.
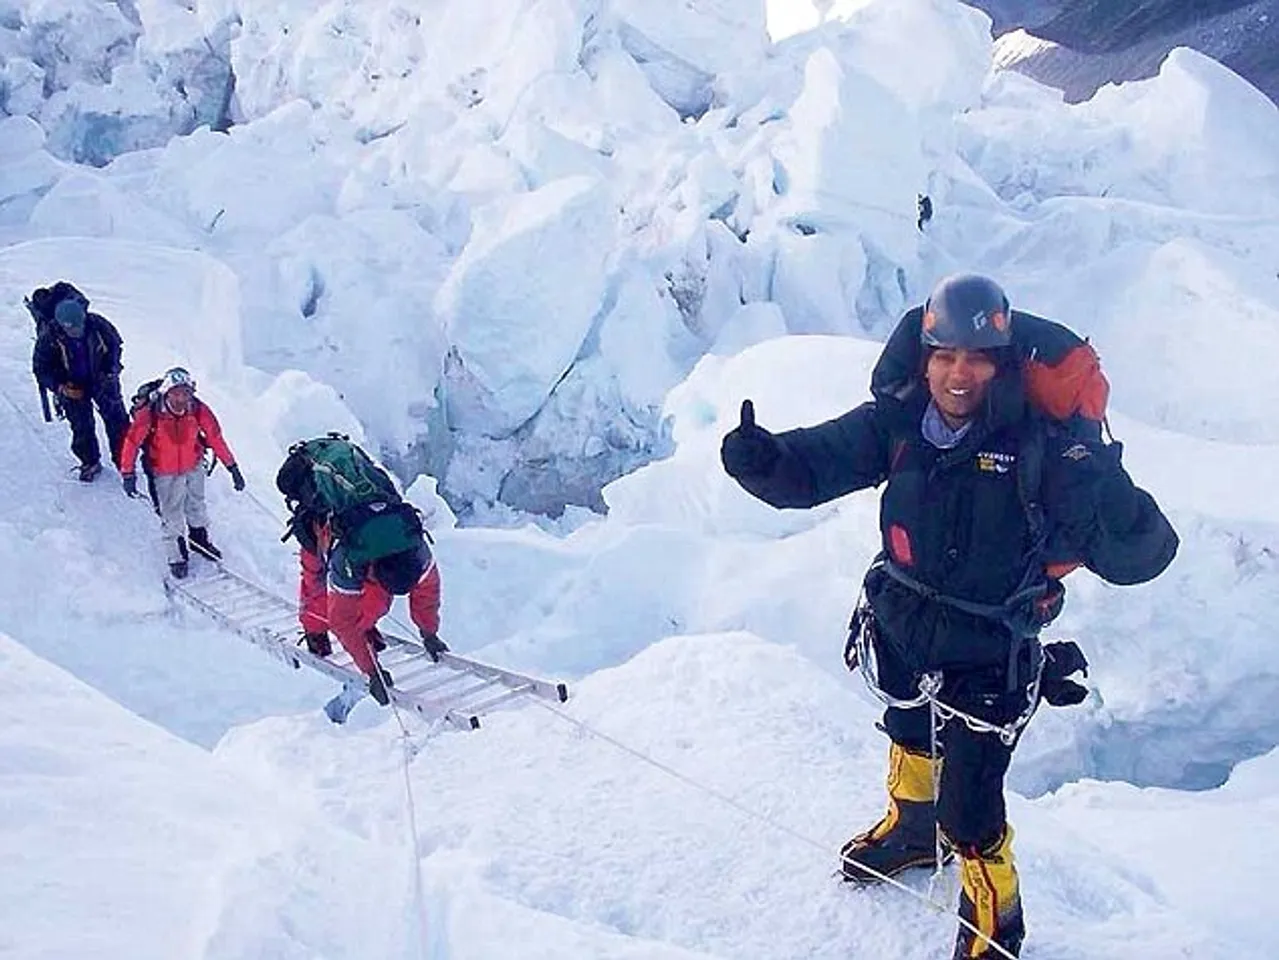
(985, 500)
(77, 357)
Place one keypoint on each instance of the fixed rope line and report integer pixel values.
(764, 819)
(407, 754)
(38, 435)
(253, 498)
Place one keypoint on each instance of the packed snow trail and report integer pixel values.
(83, 564)
(85, 590)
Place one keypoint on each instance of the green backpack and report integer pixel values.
(332, 480)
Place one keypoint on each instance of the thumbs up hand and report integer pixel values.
(749, 450)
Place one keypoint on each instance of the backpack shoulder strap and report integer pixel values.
(1030, 476)
(152, 410)
(106, 331)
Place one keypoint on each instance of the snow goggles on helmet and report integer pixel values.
(176, 377)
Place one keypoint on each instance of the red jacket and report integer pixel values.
(349, 615)
(176, 443)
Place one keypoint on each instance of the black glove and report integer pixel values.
(131, 484)
(1060, 661)
(749, 450)
(434, 645)
(237, 478)
(1117, 502)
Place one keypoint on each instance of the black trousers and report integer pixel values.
(106, 396)
(970, 803)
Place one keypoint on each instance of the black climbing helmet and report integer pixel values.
(967, 312)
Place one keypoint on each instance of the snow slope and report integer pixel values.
(702, 630)
(120, 840)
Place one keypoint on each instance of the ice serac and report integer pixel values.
(520, 300)
(851, 158)
(104, 79)
(27, 171)
(934, 55)
(683, 47)
(382, 65)
(1185, 321)
(1218, 134)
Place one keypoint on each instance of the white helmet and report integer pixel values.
(176, 377)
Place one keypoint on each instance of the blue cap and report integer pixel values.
(70, 316)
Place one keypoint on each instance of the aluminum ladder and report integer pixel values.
(455, 689)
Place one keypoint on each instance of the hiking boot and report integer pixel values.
(318, 644)
(178, 568)
(434, 645)
(376, 642)
(201, 543)
(990, 899)
(906, 836)
(379, 683)
(89, 472)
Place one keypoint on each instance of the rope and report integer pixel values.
(934, 775)
(267, 511)
(407, 755)
(930, 685)
(761, 818)
(408, 751)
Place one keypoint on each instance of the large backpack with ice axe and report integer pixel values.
(41, 304)
(331, 481)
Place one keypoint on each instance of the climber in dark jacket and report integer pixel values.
(923, 211)
(77, 356)
(965, 581)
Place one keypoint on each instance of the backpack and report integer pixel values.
(44, 300)
(144, 396)
(1061, 373)
(332, 480)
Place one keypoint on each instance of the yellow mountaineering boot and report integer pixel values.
(906, 835)
(990, 899)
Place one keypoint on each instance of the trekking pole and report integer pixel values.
(44, 404)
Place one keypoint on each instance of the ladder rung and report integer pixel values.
(406, 680)
(223, 593)
(440, 683)
(511, 693)
(392, 657)
(453, 700)
(264, 617)
(288, 621)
